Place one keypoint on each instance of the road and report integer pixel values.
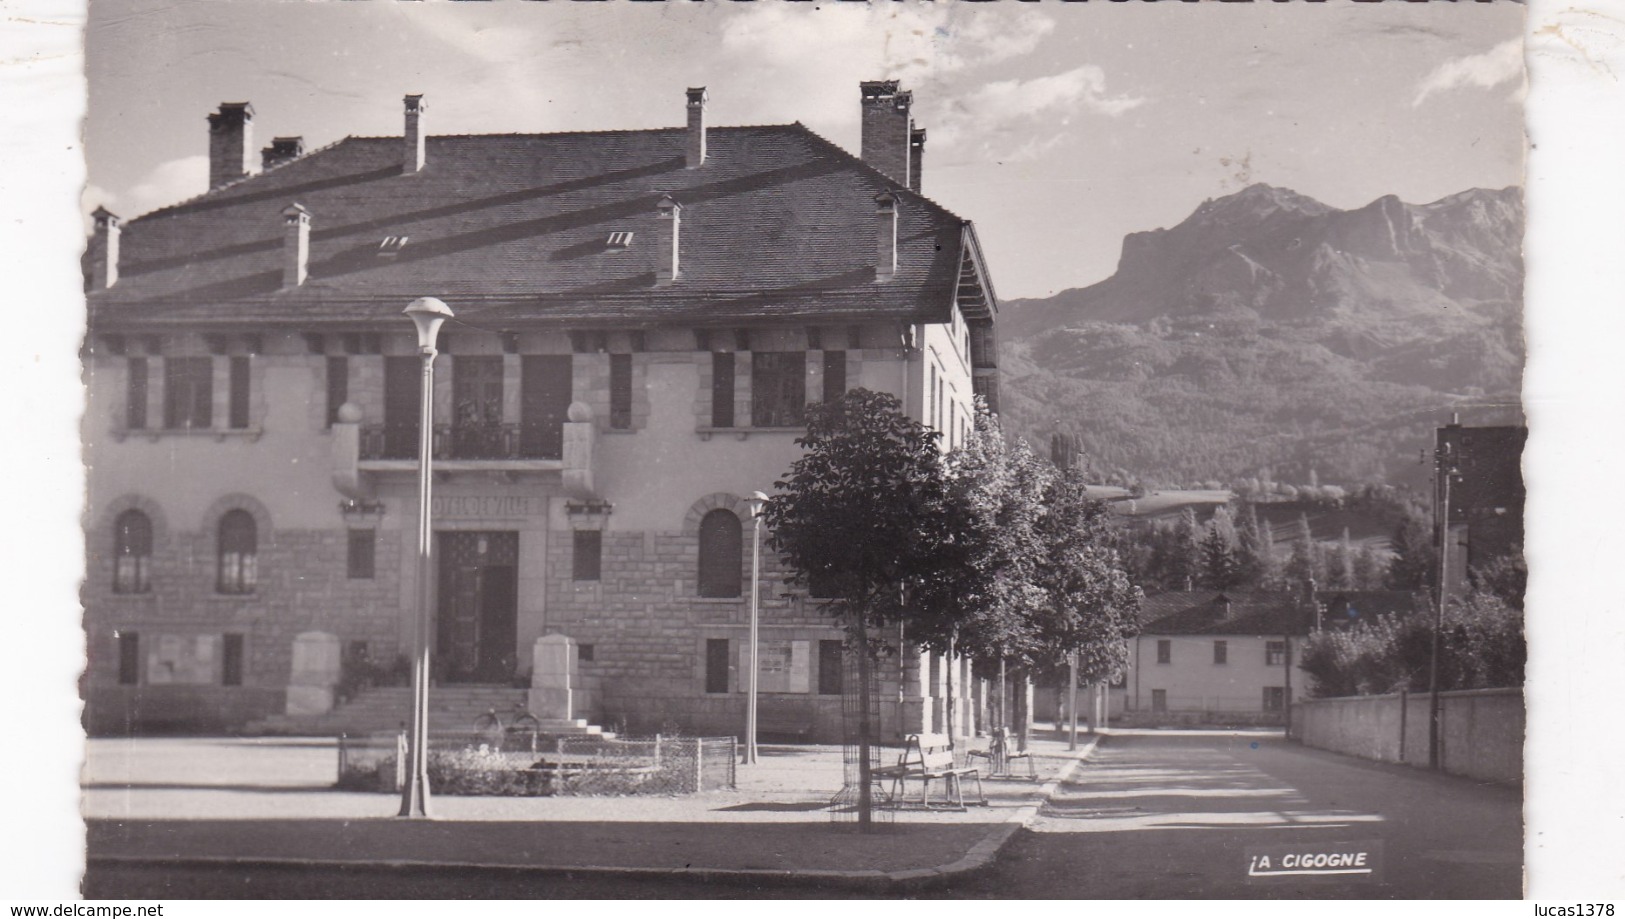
(1152, 815)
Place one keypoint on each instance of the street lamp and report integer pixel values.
(756, 501)
(426, 314)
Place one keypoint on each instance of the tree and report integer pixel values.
(1305, 563)
(1340, 571)
(866, 510)
(987, 600)
(1219, 569)
(1187, 550)
(1269, 567)
(1251, 553)
(1093, 607)
(1415, 560)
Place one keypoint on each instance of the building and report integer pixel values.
(641, 319)
(1217, 657)
(1486, 495)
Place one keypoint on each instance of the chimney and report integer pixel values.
(103, 250)
(666, 238)
(282, 150)
(295, 246)
(415, 107)
(231, 142)
(886, 127)
(916, 157)
(885, 236)
(696, 126)
(1223, 603)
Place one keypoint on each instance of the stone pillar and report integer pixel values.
(916, 699)
(579, 438)
(315, 673)
(552, 678)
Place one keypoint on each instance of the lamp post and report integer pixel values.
(756, 501)
(426, 314)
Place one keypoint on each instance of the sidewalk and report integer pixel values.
(267, 801)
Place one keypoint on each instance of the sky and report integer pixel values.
(1057, 128)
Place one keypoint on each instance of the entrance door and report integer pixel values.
(544, 403)
(477, 639)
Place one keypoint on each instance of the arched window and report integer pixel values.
(721, 558)
(236, 545)
(132, 553)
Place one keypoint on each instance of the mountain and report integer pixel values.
(1271, 334)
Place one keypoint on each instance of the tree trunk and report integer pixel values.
(1023, 713)
(951, 702)
(865, 776)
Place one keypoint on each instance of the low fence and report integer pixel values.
(525, 763)
(1480, 730)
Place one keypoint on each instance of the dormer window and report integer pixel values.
(620, 239)
(391, 246)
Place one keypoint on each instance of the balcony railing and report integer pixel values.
(479, 441)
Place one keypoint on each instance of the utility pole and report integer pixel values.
(1445, 469)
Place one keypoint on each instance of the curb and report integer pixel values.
(979, 858)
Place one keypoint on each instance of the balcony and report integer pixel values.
(362, 453)
(483, 441)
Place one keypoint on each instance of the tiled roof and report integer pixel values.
(1202, 612)
(511, 230)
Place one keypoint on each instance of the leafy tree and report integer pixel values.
(1092, 606)
(1415, 561)
(866, 510)
(1370, 568)
(987, 599)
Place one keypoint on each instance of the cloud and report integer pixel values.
(1017, 120)
(898, 42)
(1498, 65)
(170, 183)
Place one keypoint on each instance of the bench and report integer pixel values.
(927, 758)
(1001, 753)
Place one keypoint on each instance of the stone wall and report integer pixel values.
(1481, 731)
(302, 585)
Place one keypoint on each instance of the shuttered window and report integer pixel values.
(587, 555)
(620, 391)
(722, 390)
(361, 550)
(721, 558)
(237, 415)
(129, 658)
(716, 665)
(135, 397)
(829, 667)
(231, 659)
